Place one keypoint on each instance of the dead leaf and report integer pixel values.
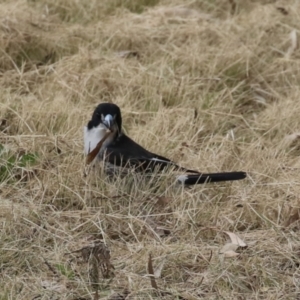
(163, 200)
(90, 157)
(292, 137)
(229, 250)
(3, 125)
(282, 10)
(233, 6)
(235, 239)
(231, 253)
(99, 254)
(291, 140)
(128, 54)
(294, 215)
(228, 247)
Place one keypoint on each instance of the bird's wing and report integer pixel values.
(124, 152)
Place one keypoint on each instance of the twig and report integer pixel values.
(151, 272)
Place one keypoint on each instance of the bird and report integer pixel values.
(119, 151)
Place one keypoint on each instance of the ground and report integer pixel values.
(213, 85)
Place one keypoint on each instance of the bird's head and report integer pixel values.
(107, 115)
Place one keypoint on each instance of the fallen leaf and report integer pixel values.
(293, 136)
(3, 125)
(291, 140)
(235, 239)
(128, 53)
(97, 253)
(231, 253)
(228, 247)
(233, 6)
(282, 10)
(163, 200)
(229, 250)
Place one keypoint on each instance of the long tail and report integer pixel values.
(213, 177)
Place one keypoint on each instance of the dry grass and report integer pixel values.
(212, 84)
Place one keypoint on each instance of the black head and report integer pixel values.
(109, 115)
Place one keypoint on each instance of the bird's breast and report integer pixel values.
(92, 137)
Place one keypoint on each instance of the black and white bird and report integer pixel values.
(120, 151)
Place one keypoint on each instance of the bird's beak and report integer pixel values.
(109, 122)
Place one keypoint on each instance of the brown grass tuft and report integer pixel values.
(213, 85)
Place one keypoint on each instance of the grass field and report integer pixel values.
(212, 84)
